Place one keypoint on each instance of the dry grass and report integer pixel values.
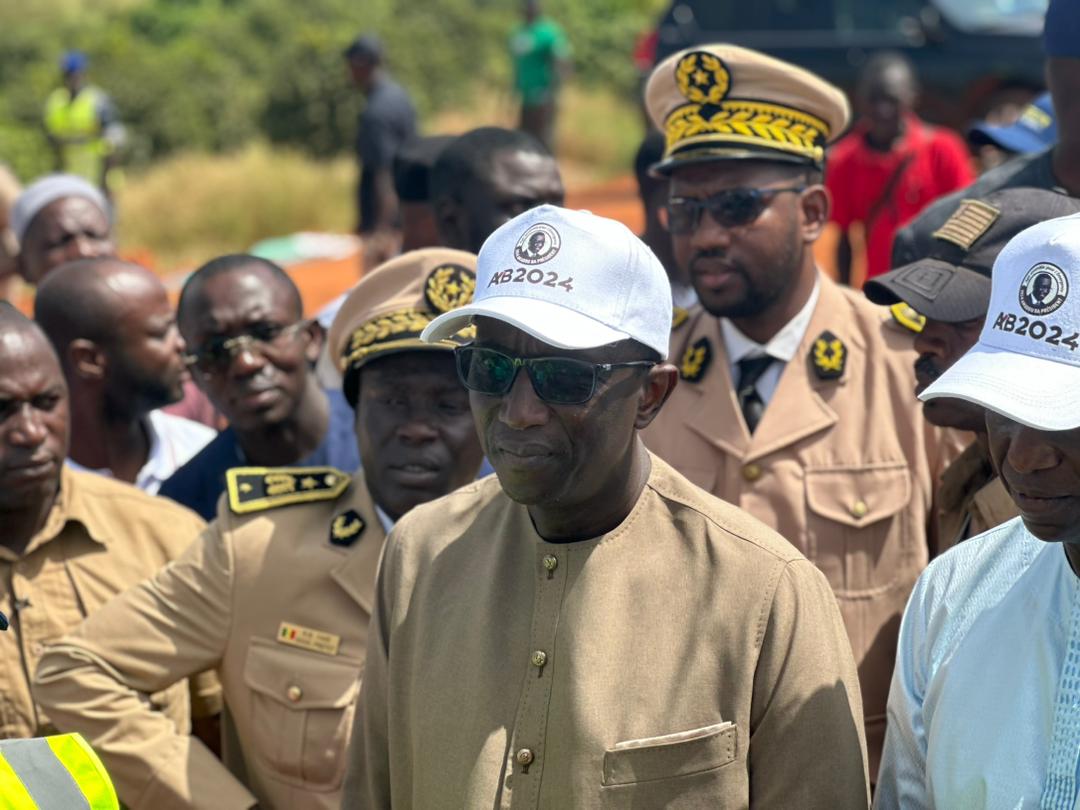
(189, 208)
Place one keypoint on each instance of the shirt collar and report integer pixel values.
(158, 464)
(386, 521)
(71, 504)
(782, 346)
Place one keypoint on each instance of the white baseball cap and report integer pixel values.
(570, 279)
(1026, 365)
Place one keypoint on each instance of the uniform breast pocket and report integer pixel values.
(859, 526)
(302, 706)
(681, 770)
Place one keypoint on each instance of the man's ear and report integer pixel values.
(316, 337)
(86, 360)
(815, 203)
(657, 387)
(450, 222)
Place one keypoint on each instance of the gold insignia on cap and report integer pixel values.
(703, 78)
(395, 331)
(679, 316)
(346, 528)
(254, 489)
(695, 360)
(906, 315)
(970, 221)
(448, 287)
(828, 356)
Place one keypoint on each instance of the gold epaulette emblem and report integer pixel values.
(346, 528)
(905, 315)
(695, 360)
(255, 489)
(679, 316)
(828, 356)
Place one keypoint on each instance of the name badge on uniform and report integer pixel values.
(307, 639)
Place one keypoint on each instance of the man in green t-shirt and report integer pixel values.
(541, 58)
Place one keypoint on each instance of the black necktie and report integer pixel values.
(750, 402)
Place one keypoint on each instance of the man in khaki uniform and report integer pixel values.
(796, 400)
(950, 287)
(277, 592)
(71, 541)
(589, 629)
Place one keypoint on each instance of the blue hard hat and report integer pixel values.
(1033, 131)
(73, 62)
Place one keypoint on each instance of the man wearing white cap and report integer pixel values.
(796, 404)
(57, 219)
(589, 629)
(984, 709)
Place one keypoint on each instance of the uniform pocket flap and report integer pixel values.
(858, 496)
(301, 680)
(678, 754)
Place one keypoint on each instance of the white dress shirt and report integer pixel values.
(782, 346)
(173, 441)
(984, 709)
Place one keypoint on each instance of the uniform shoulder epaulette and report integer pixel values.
(907, 317)
(255, 489)
(679, 316)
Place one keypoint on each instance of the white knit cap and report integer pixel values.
(570, 279)
(49, 189)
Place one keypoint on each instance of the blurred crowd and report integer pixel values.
(760, 507)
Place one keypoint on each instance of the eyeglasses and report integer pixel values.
(730, 208)
(216, 355)
(557, 380)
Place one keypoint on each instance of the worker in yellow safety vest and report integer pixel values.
(61, 772)
(82, 125)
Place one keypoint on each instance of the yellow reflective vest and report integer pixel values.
(75, 124)
(53, 773)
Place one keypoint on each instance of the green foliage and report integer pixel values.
(215, 74)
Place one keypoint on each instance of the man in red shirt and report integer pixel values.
(890, 166)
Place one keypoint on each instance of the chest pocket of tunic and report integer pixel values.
(301, 712)
(672, 771)
(858, 526)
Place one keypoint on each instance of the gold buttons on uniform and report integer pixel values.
(524, 757)
(751, 472)
(551, 562)
(294, 693)
(859, 509)
(539, 658)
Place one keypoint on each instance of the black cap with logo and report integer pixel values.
(952, 282)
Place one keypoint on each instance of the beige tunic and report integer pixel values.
(690, 658)
(971, 499)
(223, 605)
(843, 468)
(100, 538)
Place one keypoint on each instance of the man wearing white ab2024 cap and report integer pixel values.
(589, 629)
(984, 709)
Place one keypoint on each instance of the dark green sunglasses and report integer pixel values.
(557, 380)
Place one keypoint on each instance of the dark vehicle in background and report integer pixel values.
(973, 57)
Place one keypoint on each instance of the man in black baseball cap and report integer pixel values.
(950, 286)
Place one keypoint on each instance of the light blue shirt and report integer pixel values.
(984, 709)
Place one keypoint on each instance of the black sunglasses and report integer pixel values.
(557, 380)
(730, 208)
(216, 355)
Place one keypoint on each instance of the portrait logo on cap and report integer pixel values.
(1044, 289)
(448, 287)
(538, 244)
(703, 78)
